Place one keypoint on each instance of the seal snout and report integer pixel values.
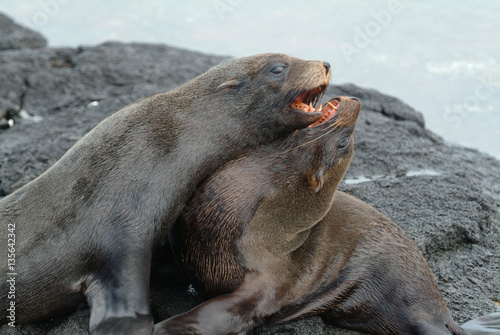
(345, 110)
(328, 111)
(307, 100)
(308, 81)
(348, 112)
(327, 67)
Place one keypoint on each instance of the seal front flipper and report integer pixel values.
(484, 325)
(118, 299)
(140, 325)
(234, 313)
(109, 317)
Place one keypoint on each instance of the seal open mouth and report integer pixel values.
(328, 111)
(307, 102)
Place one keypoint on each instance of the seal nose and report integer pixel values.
(327, 66)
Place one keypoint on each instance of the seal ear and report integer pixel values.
(319, 179)
(231, 83)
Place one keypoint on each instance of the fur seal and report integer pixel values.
(85, 229)
(272, 240)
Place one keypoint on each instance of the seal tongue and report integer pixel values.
(298, 103)
(328, 111)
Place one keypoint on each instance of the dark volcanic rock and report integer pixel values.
(446, 197)
(14, 36)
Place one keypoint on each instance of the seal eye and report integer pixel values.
(344, 143)
(278, 69)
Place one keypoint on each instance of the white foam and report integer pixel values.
(414, 173)
(23, 113)
(424, 172)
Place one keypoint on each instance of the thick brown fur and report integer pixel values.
(86, 228)
(277, 249)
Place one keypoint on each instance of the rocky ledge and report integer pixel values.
(446, 197)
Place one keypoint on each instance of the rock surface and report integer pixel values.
(446, 197)
(14, 36)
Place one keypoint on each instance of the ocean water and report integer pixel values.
(442, 57)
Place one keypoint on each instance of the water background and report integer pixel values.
(440, 56)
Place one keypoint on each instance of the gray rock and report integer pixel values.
(15, 36)
(446, 197)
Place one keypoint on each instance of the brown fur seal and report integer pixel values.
(86, 227)
(241, 197)
(266, 235)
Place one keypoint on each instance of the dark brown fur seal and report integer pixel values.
(86, 227)
(267, 237)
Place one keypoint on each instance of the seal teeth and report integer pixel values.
(333, 106)
(311, 108)
(320, 108)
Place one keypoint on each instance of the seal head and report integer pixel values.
(283, 89)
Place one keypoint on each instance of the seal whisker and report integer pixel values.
(306, 143)
(329, 130)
